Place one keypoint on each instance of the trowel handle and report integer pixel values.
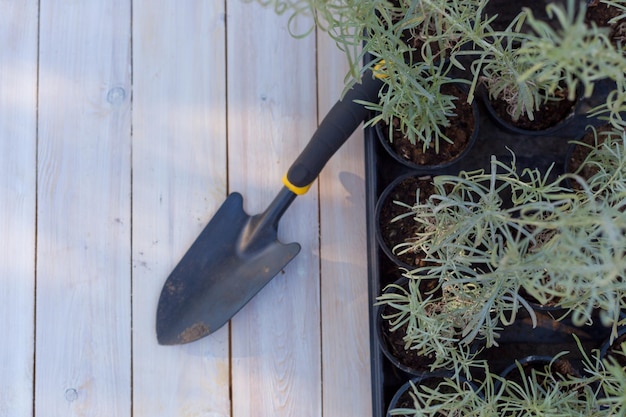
(340, 122)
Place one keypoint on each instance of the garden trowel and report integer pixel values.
(236, 254)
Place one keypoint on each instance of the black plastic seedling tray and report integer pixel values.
(521, 339)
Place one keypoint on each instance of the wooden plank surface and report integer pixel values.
(83, 351)
(179, 180)
(276, 366)
(18, 123)
(343, 253)
(123, 126)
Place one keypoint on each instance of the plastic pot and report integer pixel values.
(405, 361)
(509, 126)
(608, 345)
(402, 399)
(389, 233)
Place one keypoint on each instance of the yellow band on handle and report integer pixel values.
(295, 189)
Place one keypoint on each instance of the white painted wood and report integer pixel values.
(90, 247)
(179, 181)
(343, 235)
(83, 249)
(271, 116)
(18, 119)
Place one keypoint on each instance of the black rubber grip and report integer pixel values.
(340, 122)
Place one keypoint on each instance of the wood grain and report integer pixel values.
(343, 236)
(271, 116)
(123, 126)
(83, 252)
(179, 181)
(18, 123)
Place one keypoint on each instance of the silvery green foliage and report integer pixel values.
(544, 390)
(492, 236)
(525, 64)
(451, 396)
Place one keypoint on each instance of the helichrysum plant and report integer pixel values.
(542, 390)
(596, 225)
(413, 73)
(526, 64)
(412, 99)
(429, 327)
(476, 246)
(425, 108)
(606, 160)
(450, 397)
(604, 382)
(532, 60)
(585, 262)
(545, 390)
(612, 377)
(492, 237)
(501, 68)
